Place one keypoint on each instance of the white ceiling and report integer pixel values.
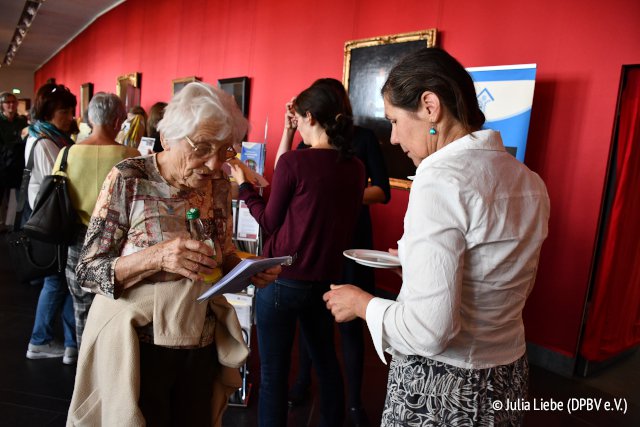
(56, 24)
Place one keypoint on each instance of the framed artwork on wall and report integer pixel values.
(367, 63)
(128, 89)
(86, 93)
(178, 84)
(239, 88)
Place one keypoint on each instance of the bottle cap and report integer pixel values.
(193, 213)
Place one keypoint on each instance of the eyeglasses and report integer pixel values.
(204, 151)
(9, 102)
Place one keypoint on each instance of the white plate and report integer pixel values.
(371, 258)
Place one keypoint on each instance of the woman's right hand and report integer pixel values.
(186, 257)
(290, 121)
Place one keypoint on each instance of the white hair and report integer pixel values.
(197, 104)
(105, 109)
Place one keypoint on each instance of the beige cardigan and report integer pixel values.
(107, 381)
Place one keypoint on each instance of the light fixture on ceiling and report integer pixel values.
(28, 14)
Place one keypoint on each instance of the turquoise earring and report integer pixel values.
(433, 131)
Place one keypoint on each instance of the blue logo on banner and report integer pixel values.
(505, 96)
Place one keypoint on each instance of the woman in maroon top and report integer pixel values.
(315, 200)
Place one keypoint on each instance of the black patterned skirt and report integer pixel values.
(424, 392)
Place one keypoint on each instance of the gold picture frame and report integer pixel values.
(128, 89)
(86, 93)
(238, 87)
(367, 63)
(178, 84)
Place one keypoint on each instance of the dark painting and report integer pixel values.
(368, 68)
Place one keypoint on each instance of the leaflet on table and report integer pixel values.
(240, 277)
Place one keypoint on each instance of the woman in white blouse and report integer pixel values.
(473, 230)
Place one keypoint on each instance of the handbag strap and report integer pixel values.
(63, 162)
(24, 186)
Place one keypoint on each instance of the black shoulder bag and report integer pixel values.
(53, 220)
(32, 258)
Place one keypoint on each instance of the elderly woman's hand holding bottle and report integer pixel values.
(182, 256)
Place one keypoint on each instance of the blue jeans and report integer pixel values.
(53, 296)
(278, 306)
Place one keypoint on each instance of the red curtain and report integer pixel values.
(613, 322)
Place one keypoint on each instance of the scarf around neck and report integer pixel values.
(49, 131)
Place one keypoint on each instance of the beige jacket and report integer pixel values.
(107, 381)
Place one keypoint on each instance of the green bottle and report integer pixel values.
(196, 229)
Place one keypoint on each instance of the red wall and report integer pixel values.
(284, 45)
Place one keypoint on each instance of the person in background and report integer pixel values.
(74, 130)
(11, 123)
(156, 112)
(473, 231)
(84, 126)
(377, 190)
(11, 154)
(53, 113)
(151, 354)
(315, 199)
(88, 163)
(133, 128)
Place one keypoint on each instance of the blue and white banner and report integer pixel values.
(505, 95)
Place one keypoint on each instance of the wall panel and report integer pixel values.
(284, 45)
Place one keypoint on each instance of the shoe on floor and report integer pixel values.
(44, 351)
(70, 356)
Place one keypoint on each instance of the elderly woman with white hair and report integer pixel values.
(150, 353)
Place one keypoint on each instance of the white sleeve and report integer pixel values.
(374, 317)
(426, 315)
(44, 157)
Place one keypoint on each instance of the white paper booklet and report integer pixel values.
(240, 277)
(146, 145)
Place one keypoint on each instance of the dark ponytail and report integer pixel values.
(327, 108)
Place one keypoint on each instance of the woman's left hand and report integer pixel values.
(346, 302)
(265, 277)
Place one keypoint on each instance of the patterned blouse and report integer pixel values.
(137, 209)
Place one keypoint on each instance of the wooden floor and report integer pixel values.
(37, 392)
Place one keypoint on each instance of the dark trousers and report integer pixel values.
(278, 306)
(351, 338)
(352, 343)
(176, 385)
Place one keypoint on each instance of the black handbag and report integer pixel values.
(31, 258)
(53, 219)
